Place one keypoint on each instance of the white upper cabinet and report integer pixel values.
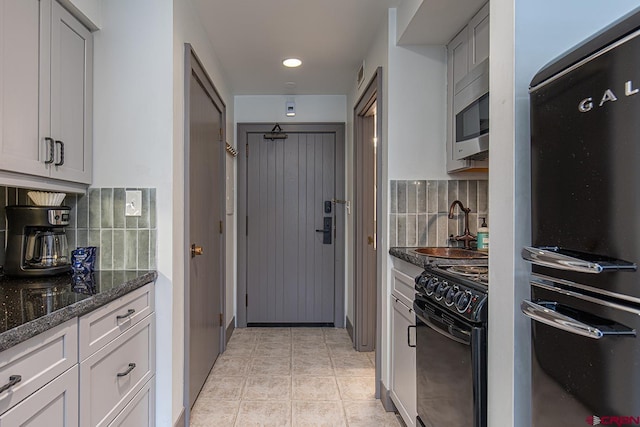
(19, 86)
(464, 52)
(478, 29)
(46, 78)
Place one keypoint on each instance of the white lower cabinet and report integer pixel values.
(110, 378)
(140, 411)
(117, 361)
(403, 361)
(403, 340)
(54, 405)
(42, 383)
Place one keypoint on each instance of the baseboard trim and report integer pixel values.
(230, 330)
(385, 399)
(181, 421)
(291, 325)
(350, 329)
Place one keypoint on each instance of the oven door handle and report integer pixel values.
(554, 319)
(450, 331)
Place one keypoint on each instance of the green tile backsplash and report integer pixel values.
(97, 219)
(418, 211)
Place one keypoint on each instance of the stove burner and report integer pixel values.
(469, 270)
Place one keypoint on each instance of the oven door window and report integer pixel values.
(444, 367)
(473, 121)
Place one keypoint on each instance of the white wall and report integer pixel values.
(133, 126)
(417, 112)
(138, 142)
(525, 35)
(271, 108)
(376, 56)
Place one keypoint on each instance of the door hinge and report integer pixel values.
(246, 151)
(246, 300)
(246, 226)
(220, 134)
(221, 319)
(220, 227)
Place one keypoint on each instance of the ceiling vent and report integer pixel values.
(360, 76)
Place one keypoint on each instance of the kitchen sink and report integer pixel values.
(452, 253)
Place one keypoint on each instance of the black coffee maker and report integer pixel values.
(36, 241)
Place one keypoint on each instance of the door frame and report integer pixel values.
(193, 65)
(373, 93)
(338, 129)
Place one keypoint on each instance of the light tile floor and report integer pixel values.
(291, 377)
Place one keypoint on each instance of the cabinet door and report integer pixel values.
(479, 37)
(141, 410)
(457, 67)
(403, 362)
(71, 96)
(54, 405)
(23, 60)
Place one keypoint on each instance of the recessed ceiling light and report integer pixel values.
(292, 62)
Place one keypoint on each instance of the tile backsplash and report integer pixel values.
(98, 219)
(418, 211)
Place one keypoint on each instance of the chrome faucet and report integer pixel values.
(466, 236)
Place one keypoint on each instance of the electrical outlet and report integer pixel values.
(133, 203)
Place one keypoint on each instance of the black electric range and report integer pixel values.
(451, 345)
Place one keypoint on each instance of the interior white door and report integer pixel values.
(290, 259)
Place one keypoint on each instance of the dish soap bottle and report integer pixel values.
(483, 236)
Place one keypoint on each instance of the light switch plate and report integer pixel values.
(133, 203)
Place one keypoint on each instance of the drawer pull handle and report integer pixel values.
(124, 316)
(13, 380)
(51, 145)
(128, 371)
(61, 162)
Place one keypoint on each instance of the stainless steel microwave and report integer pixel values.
(471, 114)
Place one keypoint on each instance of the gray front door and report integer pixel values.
(290, 266)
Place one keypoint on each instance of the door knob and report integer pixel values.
(196, 250)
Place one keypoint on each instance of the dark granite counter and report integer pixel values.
(422, 261)
(29, 306)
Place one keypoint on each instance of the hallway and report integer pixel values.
(291, 377)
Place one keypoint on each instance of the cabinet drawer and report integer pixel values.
(110, 377)
(403, 286)
(140, 411)
(38, 361)
(55, 405)
(107, 323)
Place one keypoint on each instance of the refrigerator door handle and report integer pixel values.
(547, 258)
(560, 321)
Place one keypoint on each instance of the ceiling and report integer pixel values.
(436, 22)
(252, 37)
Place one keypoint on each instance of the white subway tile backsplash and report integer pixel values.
(97, 219)
(418, 210)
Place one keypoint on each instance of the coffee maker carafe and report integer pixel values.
(36, 241)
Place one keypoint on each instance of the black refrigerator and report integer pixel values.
(585, 198)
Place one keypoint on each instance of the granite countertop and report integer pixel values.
(411, 256)
(29, 306)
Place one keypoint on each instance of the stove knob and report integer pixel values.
(432, 285)
(421, 282)
(441, 290)
(451, 295)
(463, 301)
